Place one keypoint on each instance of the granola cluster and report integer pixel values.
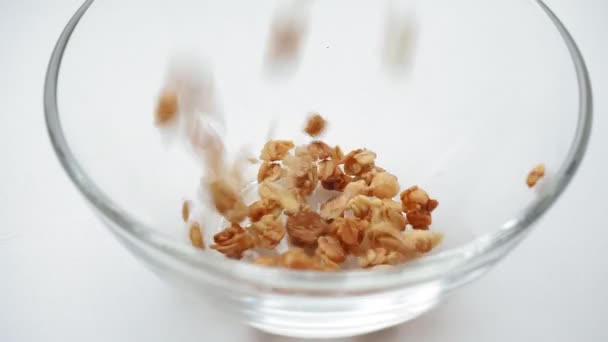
(361, 221)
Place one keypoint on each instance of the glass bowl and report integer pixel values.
(478, 94)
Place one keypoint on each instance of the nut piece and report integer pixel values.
(232, 241)
(166, 108)
(320, 150)
(379, 256)
(263, 207)
(305, 227)
(315, 125)
(331, 176)
(267, 232)
(186, 211)
(276, 150)
(358, 162)
(280, 194)
(196, 236)
(535, 175)
(384, 185)
(269, 171)
(329, 249)
(227, 201)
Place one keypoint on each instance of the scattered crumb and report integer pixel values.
(535, 175)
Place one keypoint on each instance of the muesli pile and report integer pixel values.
(361, 221)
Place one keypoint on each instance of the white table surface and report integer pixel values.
(63, 277)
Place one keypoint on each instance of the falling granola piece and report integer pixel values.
(167, 107)
(269, 171)
(331, 176)
(267, 232)
(196, 236)
(280, 194)
(315, 125)
(356, 188)
(535, 175)
(227, 201)
(358, 162)
(384, 185)
(330, 250)
(232, 241)
(304, 228)
(263, 207)
(414, 198)
(302, 173)
(276, 150)
(186, 211)
(286, 38)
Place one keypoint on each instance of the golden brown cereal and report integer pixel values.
(421, 241)
(334, 207)
(349, 231)
(276, 150)
(358, 162)
(328, 248)
(280, 194)
(362, 206)
(305, 227)
(227, 201)
(359, 187)
(320, 150)
(369, 175)
(267, 232)
(384, 185)
(266, 260)
(301, 173)
(196, 236)
(269, 171)
(232, 241)
(419, 219)
(331, 176)
(297, 259)
(379, 256)
(167, 107)
(186, 211)
(337, 154)
(315, 125)
(389, 212)
(535, 175)
(263, 207)
(414, 198)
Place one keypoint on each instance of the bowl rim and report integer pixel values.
(473, 255)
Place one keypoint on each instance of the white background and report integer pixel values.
(63, 277)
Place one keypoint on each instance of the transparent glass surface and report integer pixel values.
(485, 91)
